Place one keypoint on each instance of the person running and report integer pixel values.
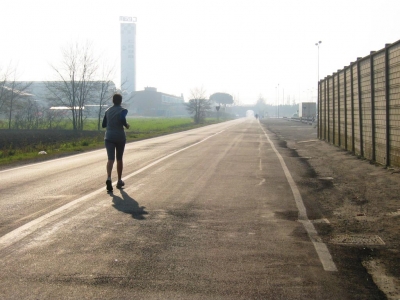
(114, 121)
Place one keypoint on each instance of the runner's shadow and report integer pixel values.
(128, 205)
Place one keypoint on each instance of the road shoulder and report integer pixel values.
(357, 212)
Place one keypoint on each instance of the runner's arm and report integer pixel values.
(104, 124)
(123, 118)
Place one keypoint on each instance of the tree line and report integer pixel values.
(199, 106)
(80, 79)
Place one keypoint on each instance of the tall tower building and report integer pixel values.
(128, 54)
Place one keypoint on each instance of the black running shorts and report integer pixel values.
(115, 147)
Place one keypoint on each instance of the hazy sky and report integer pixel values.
(242, 47)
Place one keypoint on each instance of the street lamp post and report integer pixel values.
(317, 44)
(278, 100)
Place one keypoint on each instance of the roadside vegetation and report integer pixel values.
(25, 145)
(50, 119)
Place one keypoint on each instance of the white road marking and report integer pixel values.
(262, 181)
(309, 141)
(91, 152)
(319, 221)
(30, 227)
(47, 161)
(322, 250)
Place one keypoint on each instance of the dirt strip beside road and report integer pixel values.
(359, 201)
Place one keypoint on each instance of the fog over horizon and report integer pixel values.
(249, 49)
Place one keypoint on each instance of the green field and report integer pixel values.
(24, 145)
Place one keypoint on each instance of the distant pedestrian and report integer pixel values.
(114, 121)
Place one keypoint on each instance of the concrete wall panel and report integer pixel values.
(360, 109)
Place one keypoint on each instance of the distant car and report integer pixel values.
(295, 116)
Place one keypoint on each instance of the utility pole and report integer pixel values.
(317, 104)
(317, 44)
(278, 100)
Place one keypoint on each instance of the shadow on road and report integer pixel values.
(128, 205)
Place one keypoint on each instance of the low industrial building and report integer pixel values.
(152, 103)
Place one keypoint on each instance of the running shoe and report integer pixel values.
(120, 184)
(109, 185)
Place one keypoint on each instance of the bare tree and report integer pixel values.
(13, 93)
(104, 91)
(4, 77)
(76, 80)
(236, 100)
(53, 117)
(198, 106)
(28, 115)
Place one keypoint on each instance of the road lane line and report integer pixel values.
(235, 122)
(50, 161)
(168, 156)
(322, 250)
(30, 227)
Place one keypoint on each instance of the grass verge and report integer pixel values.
(27, 152)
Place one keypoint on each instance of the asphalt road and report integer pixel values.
(211, 213)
